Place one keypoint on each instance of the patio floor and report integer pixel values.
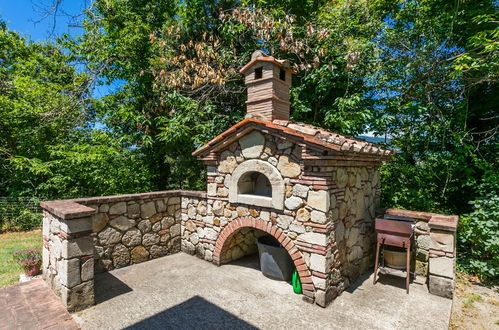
(31, 305)
(182, 291)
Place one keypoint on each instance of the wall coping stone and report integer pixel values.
(435, 220)
(444, 222)
(67, 209)
(76, 208)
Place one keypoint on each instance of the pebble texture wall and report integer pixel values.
(134, 231)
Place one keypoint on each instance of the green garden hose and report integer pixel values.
(295, 280)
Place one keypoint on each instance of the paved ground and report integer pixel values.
(183, 292)
(32, 305)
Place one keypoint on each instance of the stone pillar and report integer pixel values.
(68, 262)
(441, 280)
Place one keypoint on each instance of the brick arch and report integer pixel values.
(286, 242)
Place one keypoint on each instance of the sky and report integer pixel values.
(27, 17)
(30, 19)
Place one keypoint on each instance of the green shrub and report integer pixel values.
(478, 239)
(24, 220)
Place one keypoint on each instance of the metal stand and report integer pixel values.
(394, 233)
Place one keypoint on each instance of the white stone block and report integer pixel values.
(77, 247)
(313, 238)
(318, 262)
(318, 200)
(442, 266)
(69, 272)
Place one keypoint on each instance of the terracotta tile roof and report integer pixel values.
(281, 63)
(309, 134)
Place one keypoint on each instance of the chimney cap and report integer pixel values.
(259, 56)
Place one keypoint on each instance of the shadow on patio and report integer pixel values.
(194, 313)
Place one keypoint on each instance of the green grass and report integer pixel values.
(471, 299)
(11, 242)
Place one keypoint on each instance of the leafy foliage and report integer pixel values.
(478, 236)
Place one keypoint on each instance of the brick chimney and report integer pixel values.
(268, 80)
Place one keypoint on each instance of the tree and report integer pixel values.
(48, 146)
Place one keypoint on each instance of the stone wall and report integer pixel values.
(104, 233)
(134, 229)
(356, 192)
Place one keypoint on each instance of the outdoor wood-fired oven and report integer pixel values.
(313, 190)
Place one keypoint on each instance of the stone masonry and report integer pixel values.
(88, 235)
(327, 212)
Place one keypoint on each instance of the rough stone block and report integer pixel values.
(139, 254)
(296, 228)
(423, 242)
(99, 221)
(288, 169)
(252, 144)
(212, 189)
(303, 215)
(118, 208)
(441, 240)
(265, 216)
(77, 247)
(313, 238)
(132, 237)
(46, 227)
(442, 266)
(320, 298)
(318, 262)
(104, 208)
(69, 272)
(79, 297)
(76, 225)
(87, 270)
(54, 225)
(109, 236)
(122, 223)
(121, 256)
(150, 239)
(133, 211)
(147, 210)
(300, 190)
(441, 286)
(318, 200)
(318, 217)
(283, 221)
(293, 203)
(210, 234)
(319, 283)
(188, 247)
(45, 259)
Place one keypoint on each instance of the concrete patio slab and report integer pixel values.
(183, 292)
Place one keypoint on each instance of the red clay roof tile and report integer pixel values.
(308, 133)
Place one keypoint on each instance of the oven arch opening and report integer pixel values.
(258, 183)
(254, 183)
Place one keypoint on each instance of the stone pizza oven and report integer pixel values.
(315, 191)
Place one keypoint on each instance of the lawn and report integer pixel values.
(10, 242)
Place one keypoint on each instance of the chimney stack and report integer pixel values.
(268, 81)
